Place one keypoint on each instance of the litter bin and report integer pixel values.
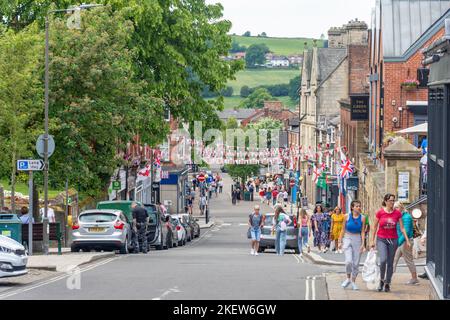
(11, 226)
(246, 196)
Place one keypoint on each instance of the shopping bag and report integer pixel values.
(333, 245)
(371, 271)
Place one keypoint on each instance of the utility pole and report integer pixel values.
(30, 213)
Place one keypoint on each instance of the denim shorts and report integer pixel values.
(256, 234)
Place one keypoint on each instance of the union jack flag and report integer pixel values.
(346, 170)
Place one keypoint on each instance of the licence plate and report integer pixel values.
(97, 230)
(6, 233)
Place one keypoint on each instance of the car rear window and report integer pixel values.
(98, 217)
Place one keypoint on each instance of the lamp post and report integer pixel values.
(46, 95)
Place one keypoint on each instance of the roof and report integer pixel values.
(329, 60)
(405, 21)
(239, 114)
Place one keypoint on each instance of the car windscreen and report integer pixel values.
(97, 217)
(152, 218)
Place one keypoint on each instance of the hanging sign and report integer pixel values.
(359, 108)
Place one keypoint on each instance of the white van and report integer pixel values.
(13, 258)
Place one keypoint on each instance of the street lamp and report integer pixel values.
(47, 27)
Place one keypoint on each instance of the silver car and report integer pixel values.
(102, 230)
(13, 258)
(268, 238)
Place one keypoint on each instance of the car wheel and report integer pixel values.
(124, 247)
(198, 235)
(297, 250)
(261, 249)
(86, 250)
(74, 248)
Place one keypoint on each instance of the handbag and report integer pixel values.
(249, 234)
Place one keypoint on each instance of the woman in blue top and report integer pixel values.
(402, 250)
(352, 242)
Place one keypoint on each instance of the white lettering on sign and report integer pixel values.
(30, 165)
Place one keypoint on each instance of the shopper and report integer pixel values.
(304, 230)
(274, 196)
(351, 240)
(262, 194)
(268, 195)
(286, 198)
(279, 224)
(385, 230)
(255, 223)
(319, 234)
(326, 227)
(404, 251)
(337, 223)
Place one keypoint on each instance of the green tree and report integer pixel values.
(227, 92)
(236, 47)
(247, 34)
(256, 55)
(20, 96)
(245, 91)
(294, 87)
(264, 35)
(232, 123)
(242, 172)
(257, 99)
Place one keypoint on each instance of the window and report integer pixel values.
(97, 217)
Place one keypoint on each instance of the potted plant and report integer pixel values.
(410, 84)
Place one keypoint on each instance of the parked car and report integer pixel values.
(193, 223)
(13, 258)
(102, 230)
(172, 239)
(268, 239)
(182, 234)
(187, 227)
(156, 233)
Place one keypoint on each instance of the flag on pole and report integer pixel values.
(316, 174)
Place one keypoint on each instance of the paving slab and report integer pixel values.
(65, 262)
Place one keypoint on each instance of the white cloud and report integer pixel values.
(293, 18)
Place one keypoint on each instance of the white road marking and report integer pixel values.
(296, 258)
(307, 288)
(10, 294)
(314, 288)
(165, 294)
(227, 224)
(243, 224)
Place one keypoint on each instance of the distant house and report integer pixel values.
(296, 59)
(278, 61)
(239, 56)
(274, 110)
(239, 114)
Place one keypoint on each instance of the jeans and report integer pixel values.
(256, 234)
(303, 234)
(386, 248)
(280, 241)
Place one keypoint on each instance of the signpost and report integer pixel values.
(30, 166)
(116, 185)
(40, 146)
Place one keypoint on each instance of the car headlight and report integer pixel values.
(5, 250)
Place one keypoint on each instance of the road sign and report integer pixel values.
(201, 178)
(40, 146)
(30, 165)
(116, 185)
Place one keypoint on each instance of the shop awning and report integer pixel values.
(420, 129)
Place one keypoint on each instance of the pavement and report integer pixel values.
(66, 261)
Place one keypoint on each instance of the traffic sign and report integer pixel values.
(116, 185)
(30, 165)
(40, 146)
(201, 178)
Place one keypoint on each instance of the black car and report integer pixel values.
(157, 232)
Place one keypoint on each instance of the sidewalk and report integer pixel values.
(65, 262)
(399, 290)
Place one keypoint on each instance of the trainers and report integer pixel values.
(423, 276)
(412, 282)
(346, 283)
(387, 287)
(380, 286)
(354, 286)
(252, 252)
(256, 253)
(309, 249)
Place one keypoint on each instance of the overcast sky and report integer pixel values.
(293, 18)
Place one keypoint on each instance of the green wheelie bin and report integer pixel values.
(11, 226)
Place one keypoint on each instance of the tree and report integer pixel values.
(232, 123)
(247, 34)
(20, 96)
(236, 47)
(242, 172)
(256, 55)
(256, 99)
(245, 91)
(227, 92)
(294, 86)
(264, 35)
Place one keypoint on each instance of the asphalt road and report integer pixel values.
(218, 266)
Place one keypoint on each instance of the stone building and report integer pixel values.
(325, 82)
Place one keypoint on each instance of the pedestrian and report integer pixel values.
(25, 216)
(269, 195)
(210, 191)
(274, 196)
(286, 198)
(319, 234)
(140, 222)
(251, 189)
(326, 224)
(50, 215)
(262, 194)
(385, 229)
(337, 223)
(279, 224)
(220, 186)
(280, 198)
(255, 223)
(257, 184)
(238, 194)
(351, 240)
(202, 203)
(304, 230)
(366, 231)
(402, 250)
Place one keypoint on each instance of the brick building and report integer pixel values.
(396, 44)
(271, 109)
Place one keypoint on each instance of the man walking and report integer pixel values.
(203, 204)
(140, 221)
(255, 223)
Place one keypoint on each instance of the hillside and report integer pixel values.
(281, 46)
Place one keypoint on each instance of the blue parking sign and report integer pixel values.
(23, 165)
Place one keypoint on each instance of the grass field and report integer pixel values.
(231, 102)
(23, 189)
(259, 77)
(281, 46)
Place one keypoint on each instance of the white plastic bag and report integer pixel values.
(371, 272)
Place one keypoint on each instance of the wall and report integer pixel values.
(333, 90)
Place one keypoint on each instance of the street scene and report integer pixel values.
(179, 152)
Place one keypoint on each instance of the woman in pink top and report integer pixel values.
(385, 228)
